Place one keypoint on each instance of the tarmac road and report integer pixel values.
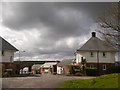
(44, 81)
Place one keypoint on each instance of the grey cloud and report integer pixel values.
(34, 14)
(60, 20)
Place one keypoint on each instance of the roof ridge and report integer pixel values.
(96, 44)
(7, 46)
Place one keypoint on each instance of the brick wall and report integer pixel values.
(101, 70)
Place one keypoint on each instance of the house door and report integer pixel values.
(54, 69)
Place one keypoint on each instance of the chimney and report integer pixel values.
(93, 34)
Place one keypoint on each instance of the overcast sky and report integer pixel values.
(49, 30)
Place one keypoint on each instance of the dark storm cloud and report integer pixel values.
(36, 14)
(54, 21)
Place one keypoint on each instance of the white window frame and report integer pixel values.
(104, 67)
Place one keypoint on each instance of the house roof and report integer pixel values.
(48, 64)
(65, 62)
(36, 66)
(96, 44)
(6, 45)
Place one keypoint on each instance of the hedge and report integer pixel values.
(115, 69)
(91, 71)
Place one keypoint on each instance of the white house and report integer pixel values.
(6, 51)
(97, 53)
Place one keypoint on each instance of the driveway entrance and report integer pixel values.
(44, 81)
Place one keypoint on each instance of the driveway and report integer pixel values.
(44, 81)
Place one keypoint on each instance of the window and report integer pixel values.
(104, 54)
(104, 67)
(91, 54)
(2, 53)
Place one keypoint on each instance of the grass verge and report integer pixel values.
(104, 81)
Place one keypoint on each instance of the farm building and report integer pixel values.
(63, 66)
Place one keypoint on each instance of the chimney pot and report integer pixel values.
(93, 34)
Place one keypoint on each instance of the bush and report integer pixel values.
(5, 74)
(71, 70)
(38, 72)
(8, 73)
(74, 70)
(91, 71)
(115, 69)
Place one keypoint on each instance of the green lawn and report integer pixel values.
(104, 81)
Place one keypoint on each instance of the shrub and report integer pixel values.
(8, 73)
(71, 70)
(74, 70)
(38, 72)
(77, 69)
(91, 71)
(5, 74)
(115, 69)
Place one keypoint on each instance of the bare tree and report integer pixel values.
(110, 25)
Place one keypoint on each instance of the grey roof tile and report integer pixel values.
(96, 44)
(6, 45)
(65, 62)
